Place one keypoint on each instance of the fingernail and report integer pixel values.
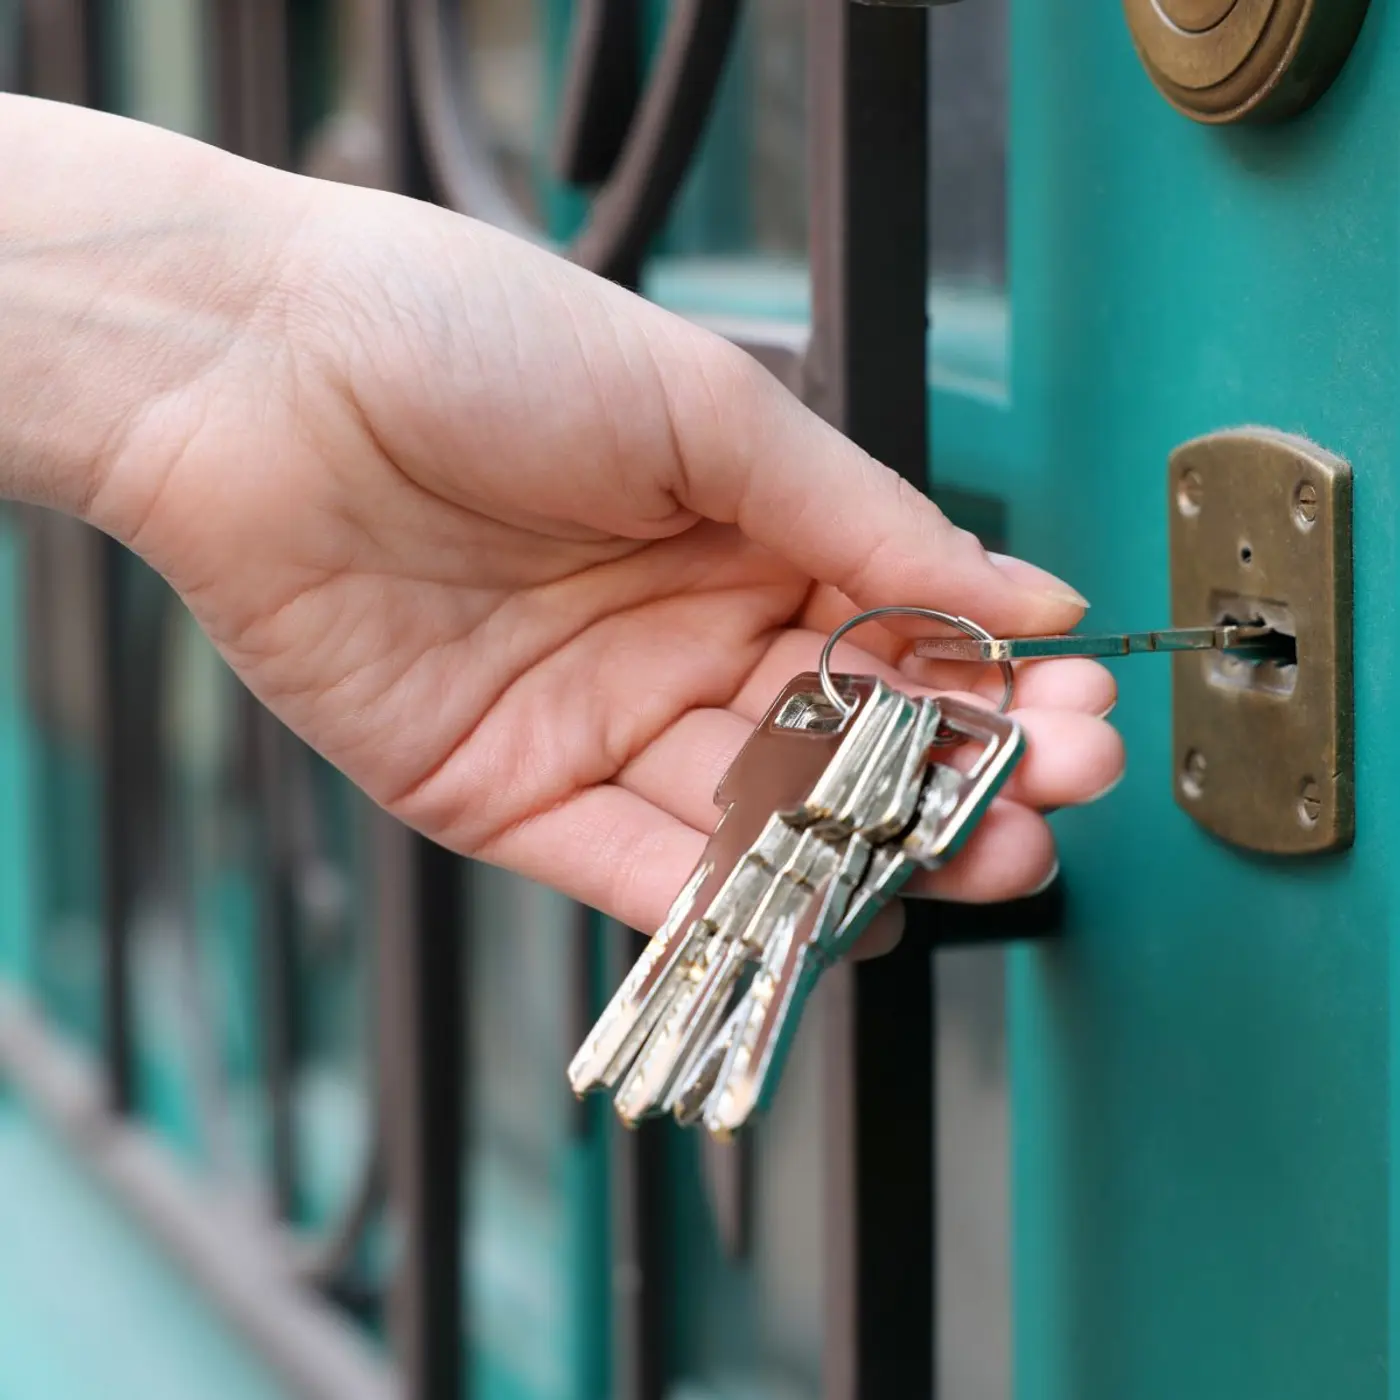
(1047, 881)
(1106, 789)
(1035, 580)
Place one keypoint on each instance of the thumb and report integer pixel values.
(749, 453)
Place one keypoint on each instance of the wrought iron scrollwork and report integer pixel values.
(649, 164)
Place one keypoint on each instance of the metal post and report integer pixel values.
(866, 373)
(419, 894)
(637, 1173)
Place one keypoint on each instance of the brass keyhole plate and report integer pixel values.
(1222, 61)
(1261, 532)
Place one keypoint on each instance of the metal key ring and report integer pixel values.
(963, 624)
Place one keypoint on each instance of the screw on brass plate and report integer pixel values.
(1305, 505)
(1193, 773)
(1190, 491)
(1309, 802)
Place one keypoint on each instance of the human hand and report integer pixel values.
(523, 555)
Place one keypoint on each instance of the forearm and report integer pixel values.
(131, 262)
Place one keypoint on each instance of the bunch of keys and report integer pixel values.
(838, 797)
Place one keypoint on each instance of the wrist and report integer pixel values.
(133, 262)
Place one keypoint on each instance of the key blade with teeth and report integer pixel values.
(1258, 643)
(736, 1075)
(777, 768)
(952, 805)
(788, 866)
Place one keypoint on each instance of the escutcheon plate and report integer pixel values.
(1261, 530)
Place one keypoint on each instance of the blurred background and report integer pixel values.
(282, 1102)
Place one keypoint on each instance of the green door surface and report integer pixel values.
(1203, 1112)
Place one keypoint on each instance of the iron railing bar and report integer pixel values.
(600, 91)
(866, 373)
(119, 775)
(65, 62)
(661, 143)
(420, 896)
(938, 925)
(637, 1175)
(249, 62)
(276, 752)
(55, 42)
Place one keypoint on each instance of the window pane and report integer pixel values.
(16, 870)
(747, 193)
(507, 75)
(163, 46)
(776, 57)
(195, 959)
(968, 108)
(63, 560)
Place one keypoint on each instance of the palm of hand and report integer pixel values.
(503, 543)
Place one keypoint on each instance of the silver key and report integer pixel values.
(784, 870)
(882, 805)
(792, 891)
(777, 769)
(725, 1084)
(755, 1041)
(1253, 640)
(952, 805)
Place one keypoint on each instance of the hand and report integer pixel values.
(525, 556)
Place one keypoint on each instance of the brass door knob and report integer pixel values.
(1224, 61)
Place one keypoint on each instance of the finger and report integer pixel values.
(607, 848)
(1010, 855)
(619, 854)
(883, 935)
(1069, 683)
(748, 452)
(1070, 759)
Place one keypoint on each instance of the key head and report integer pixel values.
(950, 806)
(789, 752)
(792, 744)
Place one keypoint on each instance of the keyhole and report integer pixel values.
(1246, 553)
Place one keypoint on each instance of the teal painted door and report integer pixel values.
(1203, 1112)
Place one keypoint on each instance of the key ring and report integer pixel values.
(963, 624)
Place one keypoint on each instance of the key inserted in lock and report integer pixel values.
(1261, 640)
